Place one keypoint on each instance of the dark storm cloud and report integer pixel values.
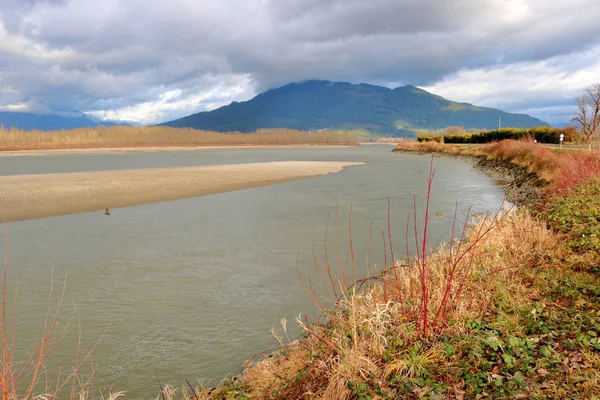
(333, 19)
(111, 55)
(12, 11)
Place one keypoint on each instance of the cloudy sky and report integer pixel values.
(148, 61)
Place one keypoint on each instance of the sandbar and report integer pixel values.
(37, 196)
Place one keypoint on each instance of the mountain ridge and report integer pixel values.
(48, 122)
(318, 104)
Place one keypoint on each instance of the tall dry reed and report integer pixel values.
(26, 377)
(114, 136)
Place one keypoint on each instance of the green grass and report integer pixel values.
(576, 215)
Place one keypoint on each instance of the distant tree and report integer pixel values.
(455, 130)
(571, 134)
(588, 112)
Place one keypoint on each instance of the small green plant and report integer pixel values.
(360, 391)
(577, 216)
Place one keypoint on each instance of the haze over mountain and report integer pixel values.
(47, 122)
(313, 105)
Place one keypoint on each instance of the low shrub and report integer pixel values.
(543, 134)
(430, 138)
(457, 138)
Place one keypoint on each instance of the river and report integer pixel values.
(189, 289)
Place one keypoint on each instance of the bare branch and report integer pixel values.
(588, 112)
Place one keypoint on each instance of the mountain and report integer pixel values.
(314, 105)
(47, 122)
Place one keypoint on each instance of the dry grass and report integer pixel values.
(425, 147)
(441, 148)
(534, 158)
(373, 335)
(127, 136)
(562, 169)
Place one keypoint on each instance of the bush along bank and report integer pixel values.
(508, 309)
(542, 134)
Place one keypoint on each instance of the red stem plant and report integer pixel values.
(454, 274)
(422, 292)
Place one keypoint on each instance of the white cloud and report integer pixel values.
(20, 107)
(545, 89)
(176, 104)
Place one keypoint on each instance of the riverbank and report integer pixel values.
(520, 184)
(43, 195)
(510, 311)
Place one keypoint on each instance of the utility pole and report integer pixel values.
(499, 119)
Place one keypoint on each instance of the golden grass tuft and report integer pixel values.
(441, 148)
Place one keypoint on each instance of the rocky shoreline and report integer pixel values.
(520, 186)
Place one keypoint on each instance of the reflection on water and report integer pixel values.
(190, 288)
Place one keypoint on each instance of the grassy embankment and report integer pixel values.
(157, 136)
(508, 309)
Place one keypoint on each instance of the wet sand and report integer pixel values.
(36, 196)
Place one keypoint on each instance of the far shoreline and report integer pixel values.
(128, 149)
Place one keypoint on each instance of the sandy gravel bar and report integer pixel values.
(37, 196)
